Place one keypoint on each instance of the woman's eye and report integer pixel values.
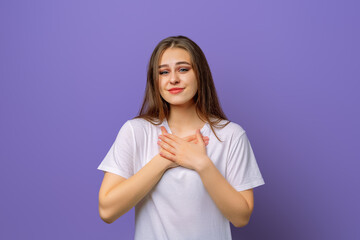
(181, 70)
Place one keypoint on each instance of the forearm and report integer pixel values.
(129, 192)
(232, 205)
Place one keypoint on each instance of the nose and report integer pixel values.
(174, 78)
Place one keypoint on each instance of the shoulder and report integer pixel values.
(232, 129)
(236, 128)
(140, 126)
(137, 122)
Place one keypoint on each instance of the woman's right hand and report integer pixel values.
(191, 138)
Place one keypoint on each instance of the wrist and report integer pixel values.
(204, 164)
(162, 163)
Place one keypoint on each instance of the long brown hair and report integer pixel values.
(155, 108)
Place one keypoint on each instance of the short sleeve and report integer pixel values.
(120, 157)
(242, 170)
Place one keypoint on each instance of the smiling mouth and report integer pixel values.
(175, 91)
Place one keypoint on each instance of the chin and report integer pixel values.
(180, 102)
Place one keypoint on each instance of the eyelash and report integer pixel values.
(161, 73)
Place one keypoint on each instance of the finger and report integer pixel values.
(204, 138)
(163, 130)
(171, 139)
(174, 138)
(200, 138)
(167, 155)
(196, 141)
(166, 146)
(189, 138)
(194, 137)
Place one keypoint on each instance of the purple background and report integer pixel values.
(72, 72)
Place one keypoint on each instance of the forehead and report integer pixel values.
(173, 55)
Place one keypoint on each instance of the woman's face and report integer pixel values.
(175, 71)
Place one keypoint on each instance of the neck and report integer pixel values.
(184, 117)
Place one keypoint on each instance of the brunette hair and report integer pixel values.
(155, 108)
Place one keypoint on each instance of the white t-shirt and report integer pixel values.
(179, 207)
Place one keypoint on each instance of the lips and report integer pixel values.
(176, 90)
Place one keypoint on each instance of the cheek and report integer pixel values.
(161, 87)
(194, 85)
(160, 84)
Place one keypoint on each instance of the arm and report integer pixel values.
(119, 195)
(125, 195)
(235, 206)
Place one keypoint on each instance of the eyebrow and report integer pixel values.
(178, 63)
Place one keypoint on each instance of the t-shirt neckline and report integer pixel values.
(202, 130)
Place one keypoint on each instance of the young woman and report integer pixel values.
(187, 169)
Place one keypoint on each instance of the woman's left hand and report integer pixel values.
(186, 154)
